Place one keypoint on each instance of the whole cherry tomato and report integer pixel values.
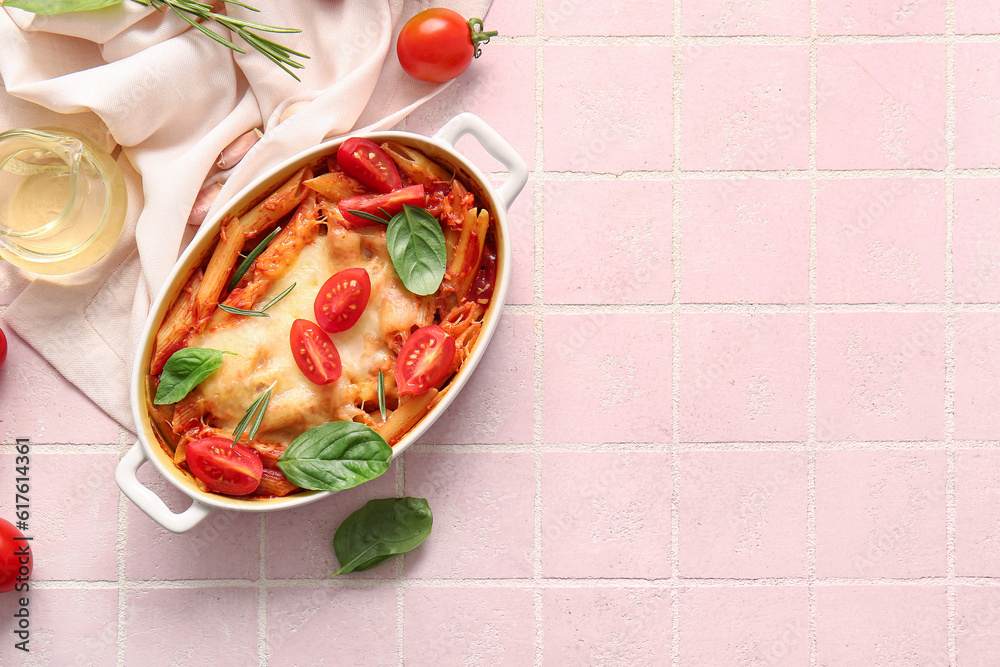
(15, 558)
(224, 466)
(3, 348)
(342, 299)
(438, 44)
(425, 360)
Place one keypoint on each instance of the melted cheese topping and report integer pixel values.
(263, 353)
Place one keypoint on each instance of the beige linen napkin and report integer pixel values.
(173, 99)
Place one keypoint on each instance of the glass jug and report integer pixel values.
(62, 201)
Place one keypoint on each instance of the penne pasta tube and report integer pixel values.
(406, 416)
(275, 261)
(335, 186)
(274, 483)
(415, 164)
(267, 213)
(180, 454)
(217, 272)
(177, 325)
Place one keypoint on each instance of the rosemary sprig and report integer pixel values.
(258, 313)
(191, 10)
(278, 298)
(369, 216)
(381, 394)
(260, 402)
(240, 311)
(245, 264)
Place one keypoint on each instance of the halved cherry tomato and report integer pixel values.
(15, 558)
(342, 299)
(482, 286)
(425, 360)
(224, 466)
(314, 352)
(368, 163)
(392, 203)
(3, 348)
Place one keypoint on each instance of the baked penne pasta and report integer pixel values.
(307, 245)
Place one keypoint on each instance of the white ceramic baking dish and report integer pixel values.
(440, 148)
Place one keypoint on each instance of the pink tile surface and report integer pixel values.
(187, 626)
(67, 626)
(223, 546)
(745, 107)
(589, 261)
(881, 106)
(72, 500)
(757, 228)
(880, 17)
(978, 625)
(977, 366)
(521, 221)
(583, 626)
(880, 240)
(880, 514)
(299, 542)
(469, 626)
(977, 104)
(510, 76)
(512, 18)
(741, 408)
(750, 625)
(880, 376)
(307, 626)
(38, 404)
(590, 125)
(745, 17)
(743, 377)
(497, 405)
(976, 245)
(972, 16)
(871, 625)
(616, 17)
(741, 514)
(977, 518)
(606, 514)
(579, 348)
(483, 508)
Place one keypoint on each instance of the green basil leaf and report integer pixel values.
(184, 370)
(335, 456)
(381, 530)
(416, 246)
(49, 7)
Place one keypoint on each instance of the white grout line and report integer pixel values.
(949, 341)
(675, 334)
(681, 583)
(744, 40)
(262, 647)
(400, 564)
(538, 323)
(121, 544)
(814, 175)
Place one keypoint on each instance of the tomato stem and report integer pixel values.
(478, 36)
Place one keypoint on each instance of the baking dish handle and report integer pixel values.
(149, 502)
(495, 145)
